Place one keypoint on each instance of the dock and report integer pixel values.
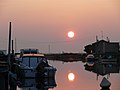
(66, 57)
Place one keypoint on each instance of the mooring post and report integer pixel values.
(105, 84)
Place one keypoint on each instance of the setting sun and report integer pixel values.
(71, 34)
(71, 76)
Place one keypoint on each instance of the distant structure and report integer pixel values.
(104, 50)
(106, 55)
(102, 47)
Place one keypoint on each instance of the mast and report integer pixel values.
(9, 45)
(15, 46)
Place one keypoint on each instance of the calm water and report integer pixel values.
(84, 80)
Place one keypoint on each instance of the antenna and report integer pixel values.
(102, 34)
(97, 38)
(108, 39)
(49, 48)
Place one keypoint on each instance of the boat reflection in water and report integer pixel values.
(36, 84)
(90, 60)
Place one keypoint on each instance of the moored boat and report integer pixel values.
(32, 65)
(90, 60)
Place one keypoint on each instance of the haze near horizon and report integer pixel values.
(43, 23)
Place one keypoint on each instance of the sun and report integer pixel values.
(71, 76)
(71, 34)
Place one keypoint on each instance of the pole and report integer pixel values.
(12, 47)
(9, 49)
(49, 48)
(15, 46)
(12, 60)
(102, 34)
(9, 45)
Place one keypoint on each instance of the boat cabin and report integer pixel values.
(29, 51)
(32, 60)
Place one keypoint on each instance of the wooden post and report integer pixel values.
(105, 84)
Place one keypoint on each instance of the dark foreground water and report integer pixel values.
(84, 80)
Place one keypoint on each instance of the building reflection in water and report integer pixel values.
(103, 67)
(36, 84)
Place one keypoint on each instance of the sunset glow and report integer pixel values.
(51, 20)
(71, 76)
(71, 34)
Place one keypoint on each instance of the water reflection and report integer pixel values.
(101, 68)
(84, 80)
(36, 84)
(71, 76)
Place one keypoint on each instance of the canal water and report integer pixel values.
(82, 80)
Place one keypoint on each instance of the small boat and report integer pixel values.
(90, 60)
(32, 65)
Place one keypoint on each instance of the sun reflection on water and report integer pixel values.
(71, 76)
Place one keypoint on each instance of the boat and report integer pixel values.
(32, 64)
(90, 60)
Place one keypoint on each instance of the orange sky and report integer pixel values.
(37, 22)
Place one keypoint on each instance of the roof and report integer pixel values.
(91, 56)
(103, 41)
(29, 51)
(33, 55)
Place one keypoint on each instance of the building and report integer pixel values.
(104, 49)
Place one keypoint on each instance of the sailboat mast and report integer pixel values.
(9, 44)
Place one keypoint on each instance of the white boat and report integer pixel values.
(34, 65)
